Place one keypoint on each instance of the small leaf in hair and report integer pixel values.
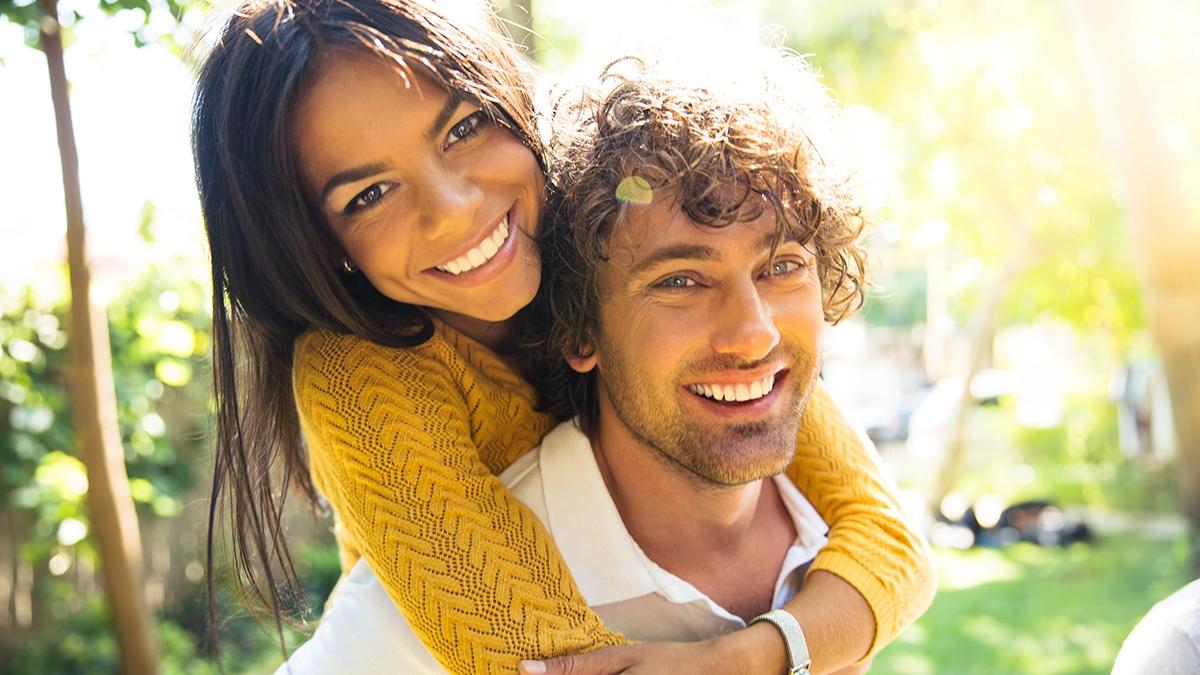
(635, 190)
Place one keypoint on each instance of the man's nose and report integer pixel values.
(745, 326)
(449, 204)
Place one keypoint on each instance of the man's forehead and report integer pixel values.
(648, 234)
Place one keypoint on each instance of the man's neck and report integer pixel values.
(727, 541)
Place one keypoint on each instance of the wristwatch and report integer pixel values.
(793, 639)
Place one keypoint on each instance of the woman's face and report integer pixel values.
(434, 203)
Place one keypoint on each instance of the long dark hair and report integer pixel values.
(275, 266)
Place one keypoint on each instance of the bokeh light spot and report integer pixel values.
(635, 190)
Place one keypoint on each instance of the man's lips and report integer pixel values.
(738, 387)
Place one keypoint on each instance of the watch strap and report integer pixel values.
(793, 639)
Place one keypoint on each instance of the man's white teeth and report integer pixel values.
(735, 392)
(479, 255)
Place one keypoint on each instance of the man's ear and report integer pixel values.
(584, 362)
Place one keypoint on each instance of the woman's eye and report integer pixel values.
(677, 281)
(466, 128)
(781, 268)
(368, 198)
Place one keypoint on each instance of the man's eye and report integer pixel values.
(368, 198)
(677, 281)
(466, 128)
(781, 268)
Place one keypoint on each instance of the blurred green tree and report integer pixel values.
(94, 408)
(978, 126)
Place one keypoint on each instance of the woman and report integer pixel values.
(372, 180)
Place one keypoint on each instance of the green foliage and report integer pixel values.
(1027, 609)
(1081, 462)
(319, 568)
(901, 300)
(138, 14)
(990, 130)
(83, 644)
(82, 641)
(1077, 463)
(35, 474)
(159, 334)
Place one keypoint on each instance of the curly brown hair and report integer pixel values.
(722, 151)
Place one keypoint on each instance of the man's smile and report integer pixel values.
(735, 392)
(739, 396)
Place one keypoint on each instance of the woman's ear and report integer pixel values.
(337, 258)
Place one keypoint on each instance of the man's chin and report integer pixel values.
(746, 453)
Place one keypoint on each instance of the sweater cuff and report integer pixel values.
(878, 598)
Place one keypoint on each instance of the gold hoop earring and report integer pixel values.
(348, 266)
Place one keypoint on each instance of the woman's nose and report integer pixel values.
(449, 205)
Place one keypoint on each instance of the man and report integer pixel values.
(700, 249)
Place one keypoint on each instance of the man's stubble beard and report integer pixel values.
(739, 454)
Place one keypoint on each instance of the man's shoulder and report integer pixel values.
(524, 477)
(361, 632)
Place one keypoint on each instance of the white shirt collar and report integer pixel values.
(605, 560)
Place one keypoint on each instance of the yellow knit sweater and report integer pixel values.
(405, 444)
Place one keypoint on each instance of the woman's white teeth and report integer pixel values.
(735, 392)
(479, 255)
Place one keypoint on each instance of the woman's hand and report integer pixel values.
(650, 657)
(757, 649)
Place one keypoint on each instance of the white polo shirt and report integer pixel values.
(561, 483)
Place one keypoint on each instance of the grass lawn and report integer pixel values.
(1023, 609)
(1027, 609)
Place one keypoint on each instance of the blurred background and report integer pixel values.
(1029, 365)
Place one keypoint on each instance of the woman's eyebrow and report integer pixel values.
(443, 116)
(350, 176)
(358, 173)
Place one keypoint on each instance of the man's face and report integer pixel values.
(708, 345)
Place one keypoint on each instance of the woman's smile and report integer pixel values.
(488, 257)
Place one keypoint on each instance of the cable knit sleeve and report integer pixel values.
(395, 450)
(871, 545)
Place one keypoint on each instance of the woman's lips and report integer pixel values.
(481, 253)
(492, 262)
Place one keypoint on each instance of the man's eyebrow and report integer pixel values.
(676, 252)
(443, 116)
(776, 239)
(351, 175)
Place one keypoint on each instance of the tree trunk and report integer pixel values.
(983, 334)
(1167, 235)
(93, 400)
